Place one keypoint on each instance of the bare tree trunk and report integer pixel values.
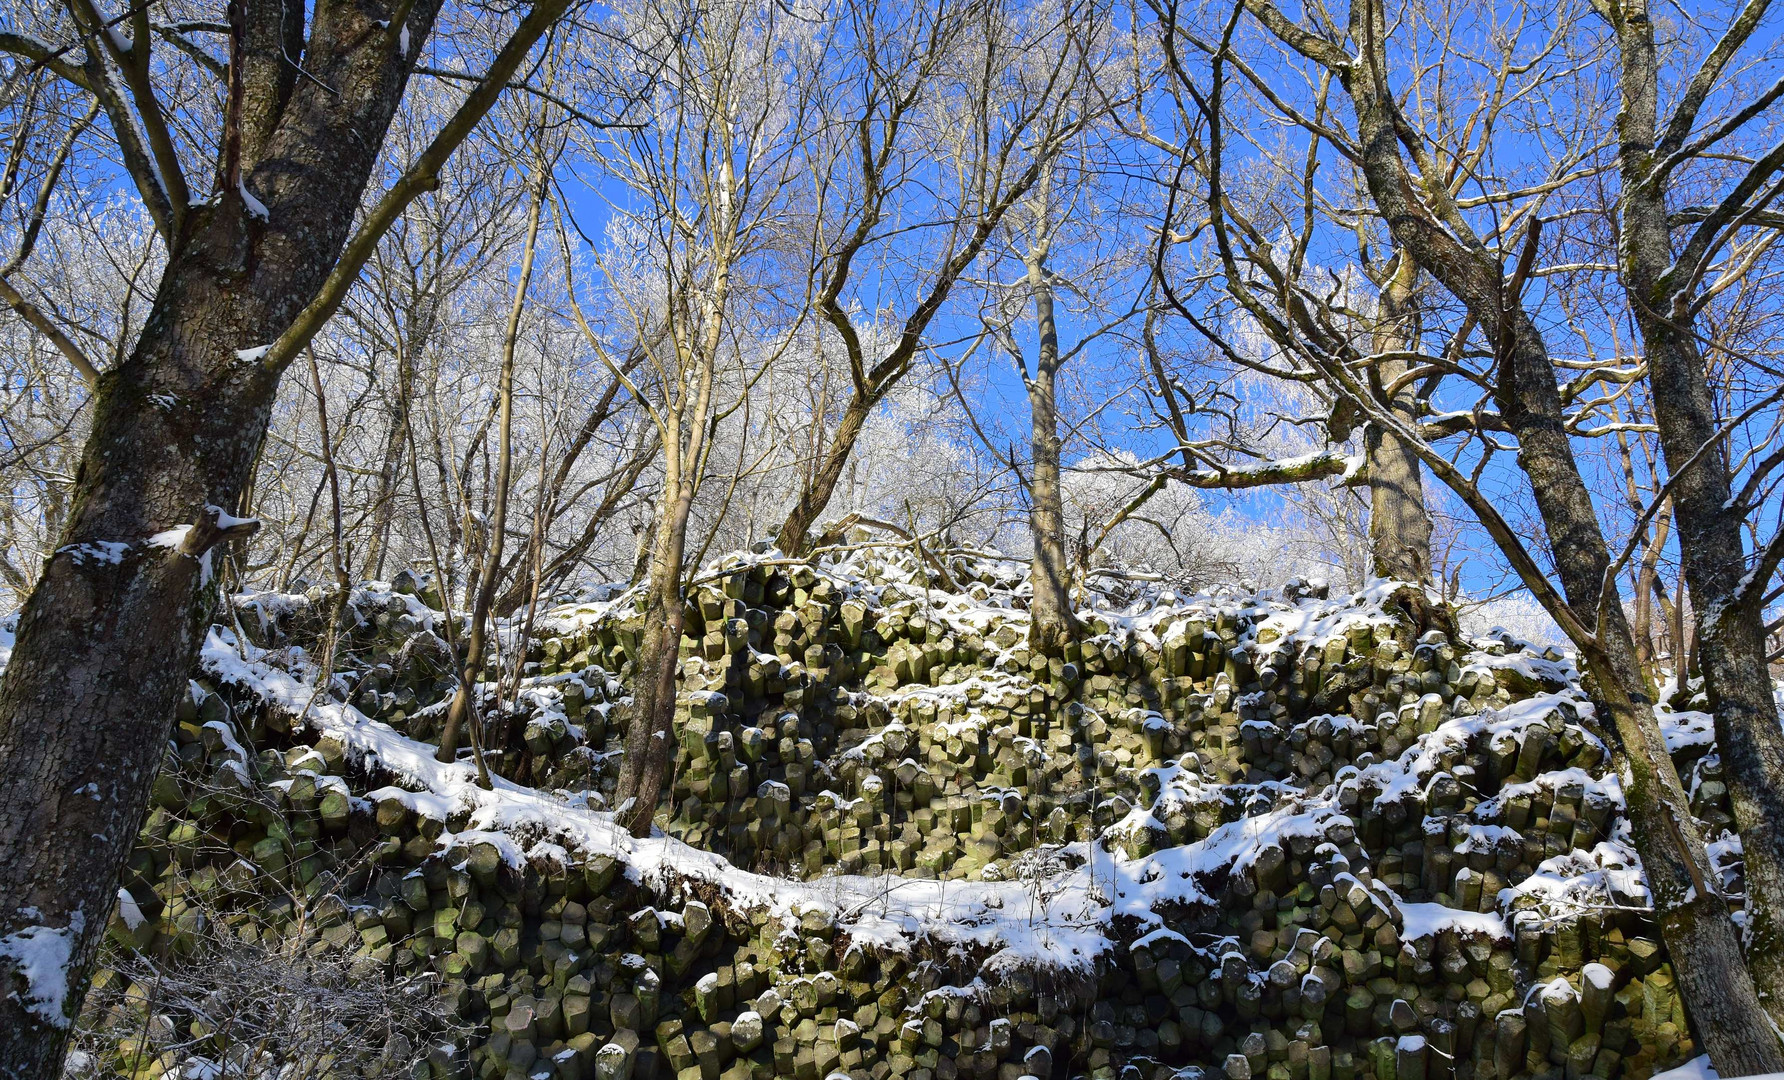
(1051, 621)
(1649, 546)
(1713, 978)
(338, 553)
(650, 736)
(794, 537)
(390, 469)
(1730, 634)
(464, 703)
(1427, 225)
(1730, 630)
(1399, 524)
(109, 635)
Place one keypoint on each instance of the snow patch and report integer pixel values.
(129, 910)
(42, 955)
(170, 538)
(1429, 920)
(109, 552)
(1699, 1068)
(256, 208)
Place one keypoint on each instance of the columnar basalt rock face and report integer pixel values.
(1279, 835)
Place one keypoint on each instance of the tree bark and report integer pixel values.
(815, 493)
(1051, 623)
(683, 429)
(1399, 524)
(650, 736)
(1730, 634)
(109, 635)
(105, 644)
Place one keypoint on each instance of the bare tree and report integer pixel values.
(464, 704)
(1671, 266)
(1051, 622)
(252, 273)
(728, 142)
(1018, 104)
(1416, 194)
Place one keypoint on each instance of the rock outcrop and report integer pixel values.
(1283, 836)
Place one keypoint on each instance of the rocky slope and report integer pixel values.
(1277, 835)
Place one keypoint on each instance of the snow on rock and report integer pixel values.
(923, 793)
(1064, 931)
(1609, 874)
(1685, 728)
(1095, 892)
(1429, 920)
(1069, 928)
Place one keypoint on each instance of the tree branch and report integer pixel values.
(423, 175)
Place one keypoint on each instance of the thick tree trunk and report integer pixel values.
(1051, 623)
(1731, 635)
(108, 637)
(650, 734)
(1713, 979)
(106, 644)
(1399, 524)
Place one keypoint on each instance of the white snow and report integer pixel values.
(256, 208)
(227, 520)
(1404, 775)
(1429, 920)
(174, 539)
(129, 910)
(1699, 1068)
(253, 355)
(42, 955)
(1579, 880)
(170, 538)
(1685, 727)
(111, 552)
